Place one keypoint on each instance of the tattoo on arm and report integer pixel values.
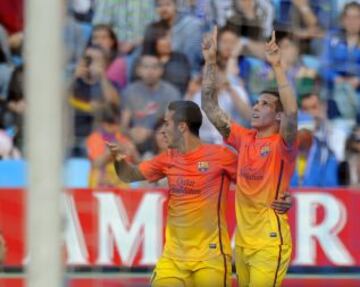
(209, 101)
(288, 128)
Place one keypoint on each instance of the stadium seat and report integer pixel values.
(77, 173)
(13, 173)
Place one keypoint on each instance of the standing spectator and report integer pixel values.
(326, 132)
(316, 165)
(104, 36)
(252, 18)
(353, 156)
(145, 101)
(90, 89)
(186, 31)
(176, 65)
(341, 63)
(102, 171)
(128, 18)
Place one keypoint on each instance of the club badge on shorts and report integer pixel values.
(203, 166)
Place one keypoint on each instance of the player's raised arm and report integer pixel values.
(125, 171)
(209, 97)
(288, 126)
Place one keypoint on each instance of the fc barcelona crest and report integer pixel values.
(265, 150)
(203, 166)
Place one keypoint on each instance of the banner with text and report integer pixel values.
(126, 227)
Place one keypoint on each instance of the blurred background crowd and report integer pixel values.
(127, 59)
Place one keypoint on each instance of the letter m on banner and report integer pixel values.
(116, 230)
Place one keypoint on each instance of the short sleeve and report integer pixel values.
(288, 152)
(229, 162)
(155, 168)
(236, 132)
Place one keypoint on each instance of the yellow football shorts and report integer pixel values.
(262, 267)
(215, 272)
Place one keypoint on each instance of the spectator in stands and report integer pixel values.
(6, 66)
(176, 65)
(316, 165)
(305, 19)
(13, 111)
(145, 101)
(326, 132)
(252, 18)
(128, 18)
(90, 89)
(186, 31)
(102, 171)
(353, 156)
(341, 63)
(116, 70)
(208, 11)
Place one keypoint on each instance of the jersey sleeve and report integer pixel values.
(236, 132)
(288, 152)
(95, 146)
(155, 168)
(229, 162)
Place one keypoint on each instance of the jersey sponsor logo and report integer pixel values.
(249, 174)
(184, 185)
(203, 166)
(265, 150)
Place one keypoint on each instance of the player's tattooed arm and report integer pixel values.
(288, 127)
(126, 171)
(209, 100)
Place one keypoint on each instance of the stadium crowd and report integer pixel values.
(127, 59)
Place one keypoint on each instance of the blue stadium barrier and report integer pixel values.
(13, 173)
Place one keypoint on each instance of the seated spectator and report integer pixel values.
(316, 165)
(129, 19)
(252, 18)
(326, 131)
(145, 101)
(176, 65)
(7, 148)
(13, 109)
(353, 156)
(102, 172)
(302, 78)
(341, 63)
(90, 89)
(306, 20)
(116, 70)
(186, 31)
(233, 100)
(6, 66)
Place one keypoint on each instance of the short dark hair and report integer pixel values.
(188, 112)
(109, 114)
(275, 93)
(309, 95)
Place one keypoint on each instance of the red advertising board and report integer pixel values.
(126, 227)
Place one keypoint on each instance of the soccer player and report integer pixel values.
(197, 250)
(266, 159)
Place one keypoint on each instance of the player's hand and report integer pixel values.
(283, 204)
(209, 46)
(272, 51)
(116, 151)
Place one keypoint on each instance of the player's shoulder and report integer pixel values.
(220, 150)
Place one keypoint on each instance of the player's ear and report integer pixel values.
(182, 127)
(278, 116)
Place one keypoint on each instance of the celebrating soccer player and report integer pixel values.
(266, 159)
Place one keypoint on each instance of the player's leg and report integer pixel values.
(242, 267)
(215, 272)
(170, 273)
(268, 266)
